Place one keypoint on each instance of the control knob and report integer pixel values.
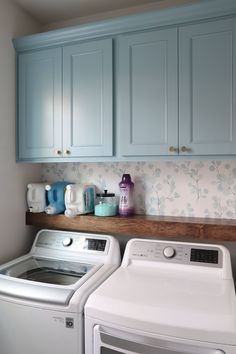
(169, 252)
(67, 241)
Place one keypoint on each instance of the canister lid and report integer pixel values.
(105, 194)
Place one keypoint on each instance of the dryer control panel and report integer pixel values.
(174, 252)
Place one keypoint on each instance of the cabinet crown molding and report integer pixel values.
(169, 16)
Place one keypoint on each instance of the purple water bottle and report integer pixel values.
(126, 205)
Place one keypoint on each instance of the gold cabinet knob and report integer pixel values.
(184, 149)
(67, 152)
(173, 149)
(57, 152)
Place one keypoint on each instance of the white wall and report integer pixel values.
(150, 6)
(15, 237)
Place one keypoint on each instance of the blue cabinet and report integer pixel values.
(207, 88)
(147, 93)
(174, 78)
(39, 104)
(159, 114)
(87, 99)
(65, 102)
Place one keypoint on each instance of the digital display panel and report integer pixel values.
(204, 256)
(92, 244)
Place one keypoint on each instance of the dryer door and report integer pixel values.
(112, 341)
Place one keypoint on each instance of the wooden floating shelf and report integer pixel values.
(141, 226)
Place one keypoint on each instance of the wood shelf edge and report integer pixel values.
(141, 226)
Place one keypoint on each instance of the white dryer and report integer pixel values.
(42, 294)
(166, 298)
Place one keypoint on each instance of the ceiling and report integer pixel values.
(48, 11)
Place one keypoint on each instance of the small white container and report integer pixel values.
(36, 197)
(79, 199)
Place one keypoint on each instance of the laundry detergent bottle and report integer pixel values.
(126, 204)
(55, 195)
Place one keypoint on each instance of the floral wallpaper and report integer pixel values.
(182, 188)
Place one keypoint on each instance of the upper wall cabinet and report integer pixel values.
(75, 121)
(147, 93)
(39, 104)
(174, 76)
(87, 99)
(207, 83)
(150, 122)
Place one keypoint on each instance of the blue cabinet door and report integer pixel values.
(207, 83)
(148, 93)
(87, 99)
(39, 104)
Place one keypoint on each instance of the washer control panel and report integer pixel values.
(181, 253)
(68, 241)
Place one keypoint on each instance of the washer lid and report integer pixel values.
(42, 279)
(50, 271)
(34, 292)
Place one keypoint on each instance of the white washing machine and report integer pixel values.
(166, 298)
(42, 294)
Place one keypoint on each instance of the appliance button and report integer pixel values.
(169, 252)
(67, 241)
